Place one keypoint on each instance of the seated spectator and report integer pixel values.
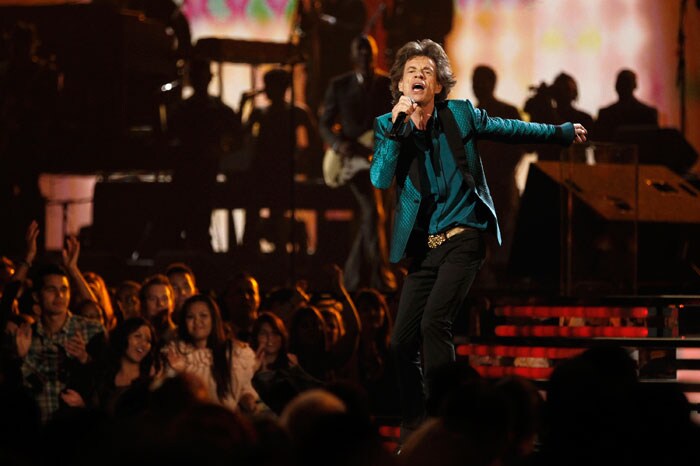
(279, 378)
(225, 366)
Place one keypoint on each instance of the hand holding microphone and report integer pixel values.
(400, 114)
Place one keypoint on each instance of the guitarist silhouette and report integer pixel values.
(352, 102)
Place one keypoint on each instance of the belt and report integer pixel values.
(439, 238)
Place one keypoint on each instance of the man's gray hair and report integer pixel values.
(423, 48)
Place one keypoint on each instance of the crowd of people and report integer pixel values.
(168, 372)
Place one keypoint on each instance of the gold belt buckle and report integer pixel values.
(436, 240)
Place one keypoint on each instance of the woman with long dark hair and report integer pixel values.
(224, 366)
(278, 378)
(131, 364)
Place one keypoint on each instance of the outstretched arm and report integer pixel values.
(70, 261)
(30, 253)
(347, 345)
(13, 288)
(515, 131)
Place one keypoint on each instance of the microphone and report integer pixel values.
(399, 125)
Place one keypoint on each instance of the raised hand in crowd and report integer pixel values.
(71, 253)
(176, 360)
(23, 339)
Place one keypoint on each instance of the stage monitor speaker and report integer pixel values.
(662, 146)
(604, 207)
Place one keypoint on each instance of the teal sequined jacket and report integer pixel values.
(390, 162)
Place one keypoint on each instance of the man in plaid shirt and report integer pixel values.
(58, 349)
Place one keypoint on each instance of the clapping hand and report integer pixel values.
(71, 253)
(30, 238)
(72, 398)
(75, 346)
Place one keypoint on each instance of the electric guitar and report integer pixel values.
(338, 169)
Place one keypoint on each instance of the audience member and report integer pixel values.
(226, 367)
(278, 378)
(132, 362)
(285, 301)
(57, 351)
(240, 303)
(91, 310)
(375, 365)
(127, 299)
(101, 293)
(158, 305)
(184, 284)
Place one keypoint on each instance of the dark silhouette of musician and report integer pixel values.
(205, 129)
(352, 101)
(500, 161)
(327, 29)
(627, 111)
(565, 93)
(554, 105)
(282, 137)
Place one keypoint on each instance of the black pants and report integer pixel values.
(432, 295)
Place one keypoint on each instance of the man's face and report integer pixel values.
(362, 56)
(159, 299)
(129, 303)
(183, 286)
(54, 296)
(419, 80)
(243, 302)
